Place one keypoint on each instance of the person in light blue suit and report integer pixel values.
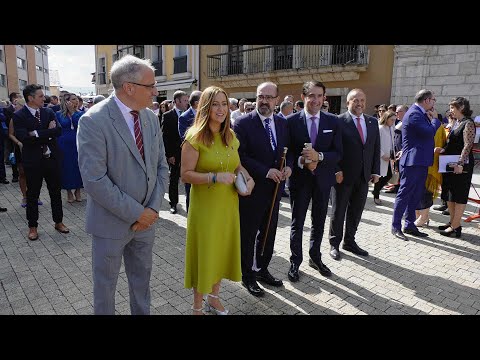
(418, 131)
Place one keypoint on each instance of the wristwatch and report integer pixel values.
(320, 156)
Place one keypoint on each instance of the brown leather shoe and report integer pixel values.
(61, 228)
(32, 233)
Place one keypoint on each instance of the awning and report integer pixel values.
(171, 85)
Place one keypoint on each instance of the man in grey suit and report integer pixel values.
(125, 175)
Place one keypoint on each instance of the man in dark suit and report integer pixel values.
(184, 122)
(263, 136)
(360, 164)
(418, 131)
(37, 129)
(313, 173)
(172, 141)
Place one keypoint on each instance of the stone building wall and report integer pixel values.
(448, 70)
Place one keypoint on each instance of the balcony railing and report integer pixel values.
(180, 64)
(275, 58)
(158, 65)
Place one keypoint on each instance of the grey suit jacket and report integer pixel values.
(118, 183)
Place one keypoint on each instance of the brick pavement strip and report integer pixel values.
(433, 275)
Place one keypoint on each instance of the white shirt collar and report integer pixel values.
(354, 117)
(32, 110)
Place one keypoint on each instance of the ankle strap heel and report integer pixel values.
(211, 308)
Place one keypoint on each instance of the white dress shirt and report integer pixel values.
(125, 110)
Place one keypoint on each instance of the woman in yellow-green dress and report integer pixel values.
(210, 162)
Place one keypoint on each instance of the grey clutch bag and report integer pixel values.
(241, 182)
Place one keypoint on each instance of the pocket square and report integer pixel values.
(327, 131)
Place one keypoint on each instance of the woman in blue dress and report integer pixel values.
(68, 117)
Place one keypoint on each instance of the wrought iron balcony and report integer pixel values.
(284, 58)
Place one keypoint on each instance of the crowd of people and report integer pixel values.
(235, 158)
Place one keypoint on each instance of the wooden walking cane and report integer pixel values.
(264, 241)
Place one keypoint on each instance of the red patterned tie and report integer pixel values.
(360, 130)
(138, 133)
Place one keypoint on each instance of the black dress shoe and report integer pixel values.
(253, 288)
(4, 181)
(415, 232)
(320, 266)
(335, 253)
(354, 248)
(399, 234)
(15, 179)
(457, 232)
(440, 207)
(267, 278)
(3, 209)
(173, 209)
(293, 273)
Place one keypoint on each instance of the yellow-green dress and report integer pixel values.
(213, 225)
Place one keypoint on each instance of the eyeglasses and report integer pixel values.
(153, 86)
(266, 97)
(249, 109)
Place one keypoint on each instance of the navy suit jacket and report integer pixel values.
(359, 160)
(24, 122)
(171, 137)
(329, 142)
(257, 156)
(184, 122)
(418, 133)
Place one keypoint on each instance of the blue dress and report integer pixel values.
(67, 142)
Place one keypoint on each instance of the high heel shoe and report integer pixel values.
(197, 311)
(212, 309)
(444, 227)
(421, 224)
(457, 232)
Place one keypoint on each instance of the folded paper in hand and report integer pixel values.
(241, 182)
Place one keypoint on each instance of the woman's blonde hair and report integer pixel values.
(200, 130)
(385, 116)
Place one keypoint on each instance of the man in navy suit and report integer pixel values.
(37, 128)
(418, 131)
(172, 142)
(313, 173)
(262, 135)
(359, 165)
(185, 120)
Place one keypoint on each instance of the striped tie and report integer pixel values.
(138, 133)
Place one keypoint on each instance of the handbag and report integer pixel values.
(241, 182)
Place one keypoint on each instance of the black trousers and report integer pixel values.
(382, 182)
(300, 197)
(347, 200)
(253, 224)
(173, 186)
(48, 169)
(3, 173)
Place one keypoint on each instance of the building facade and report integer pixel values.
(240, 68)
(448, 70)
(21, 65)
(176, 66)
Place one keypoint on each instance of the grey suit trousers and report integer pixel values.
(136, 250)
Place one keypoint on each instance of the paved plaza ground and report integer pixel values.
(433, 275)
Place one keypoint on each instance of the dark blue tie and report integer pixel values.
(270, 134)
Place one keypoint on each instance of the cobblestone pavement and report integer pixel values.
(433, 275)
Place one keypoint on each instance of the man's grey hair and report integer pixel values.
(402, 108)
(423, 95)
(128, 69)
(233, 101)
(98, 98)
